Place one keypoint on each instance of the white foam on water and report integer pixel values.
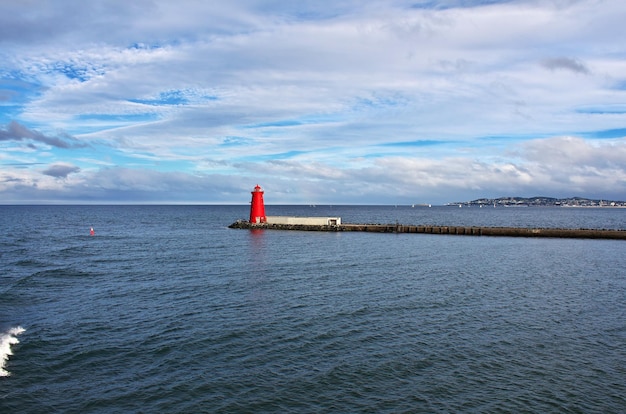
(7, 339)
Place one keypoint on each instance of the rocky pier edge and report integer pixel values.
(450, 230)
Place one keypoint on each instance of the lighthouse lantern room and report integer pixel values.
(257, 208)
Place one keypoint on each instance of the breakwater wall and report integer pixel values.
(450, 230)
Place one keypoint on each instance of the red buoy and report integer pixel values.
(92, 232)
(257, 208)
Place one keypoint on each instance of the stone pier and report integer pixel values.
(449, 230)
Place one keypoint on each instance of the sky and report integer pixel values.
(319, 102)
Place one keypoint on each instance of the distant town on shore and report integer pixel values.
(539, 202)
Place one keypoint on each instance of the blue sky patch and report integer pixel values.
(275, 124)
(235, 141)
(606, 134)
(620, 86)
(17, 90)
(118, 118)
(164, 98)
(74, 72)
(417, 143)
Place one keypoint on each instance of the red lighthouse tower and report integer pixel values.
(257, 208)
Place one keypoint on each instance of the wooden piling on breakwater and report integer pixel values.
(450, 230)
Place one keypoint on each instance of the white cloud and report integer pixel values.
(571, 153)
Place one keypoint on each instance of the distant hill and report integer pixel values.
(541, 202)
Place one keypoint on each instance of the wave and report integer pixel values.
(7, 339)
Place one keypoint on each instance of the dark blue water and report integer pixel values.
(165, 309)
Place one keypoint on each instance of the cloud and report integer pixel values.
(60, 170)
(570, 64)
(18, 132)
(569, 152)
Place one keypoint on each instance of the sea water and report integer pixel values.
(165, 309)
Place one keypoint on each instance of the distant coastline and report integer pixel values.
(539, 202)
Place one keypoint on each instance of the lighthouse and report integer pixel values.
(257, 208)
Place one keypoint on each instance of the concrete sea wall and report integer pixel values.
(450, 230)
(314, 221)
